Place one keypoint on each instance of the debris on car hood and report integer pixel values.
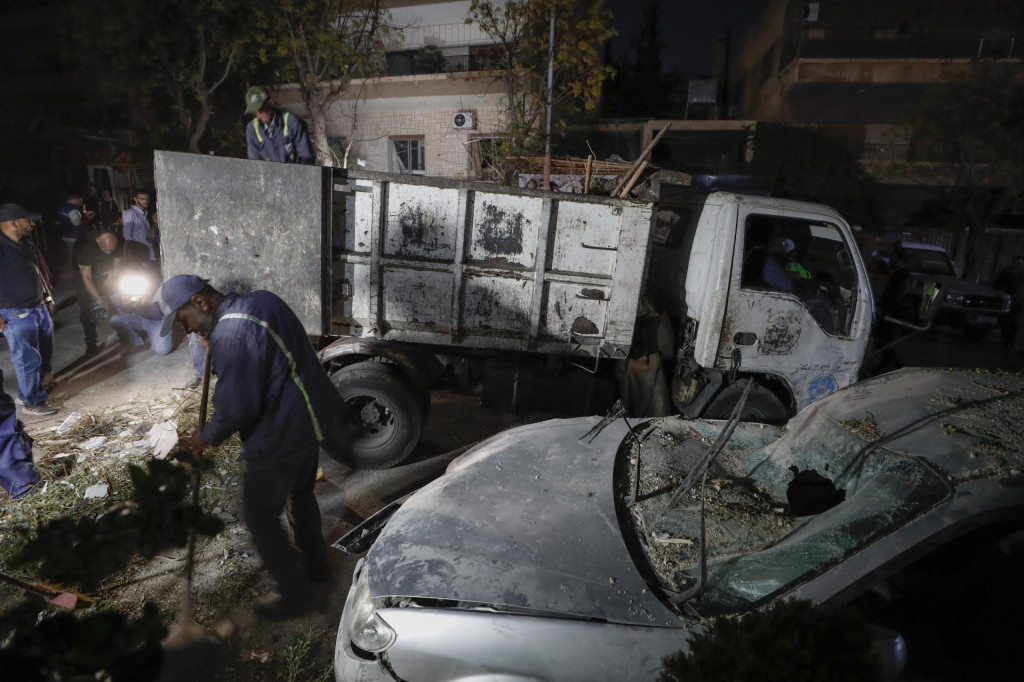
(527, 523)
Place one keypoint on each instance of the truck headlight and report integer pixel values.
(369, 631)
(133, 285)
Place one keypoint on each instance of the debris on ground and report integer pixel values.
(85, 472)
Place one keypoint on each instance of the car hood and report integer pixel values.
(527, 522)
(956, 285)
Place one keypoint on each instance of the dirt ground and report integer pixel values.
(121, 395)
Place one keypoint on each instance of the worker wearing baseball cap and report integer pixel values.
(272, 391)
(25, 305)
(274, 135)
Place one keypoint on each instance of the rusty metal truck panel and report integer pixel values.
(480, 266)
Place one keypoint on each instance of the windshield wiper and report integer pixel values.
(701, 470)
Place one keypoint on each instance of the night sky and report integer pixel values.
(688, 28)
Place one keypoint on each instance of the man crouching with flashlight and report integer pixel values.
(137, 313)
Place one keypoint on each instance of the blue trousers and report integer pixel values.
(128, 324)
(29, 333)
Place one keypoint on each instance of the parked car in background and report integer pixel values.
(539, 555)
(975, 309)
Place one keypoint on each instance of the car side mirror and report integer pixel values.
(889, 649)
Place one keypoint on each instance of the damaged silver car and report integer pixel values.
(591, 549)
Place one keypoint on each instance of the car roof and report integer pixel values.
(921, 246)
(965, 421)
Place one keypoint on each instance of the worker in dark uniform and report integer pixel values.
(273, 392)
(17, 473)
(273, 135)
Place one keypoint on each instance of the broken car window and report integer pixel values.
(756, 546)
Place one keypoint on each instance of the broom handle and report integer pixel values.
(204, 398)
(28, 587)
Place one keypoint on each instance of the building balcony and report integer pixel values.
(432, 60)
(439, 35)
(904, 48)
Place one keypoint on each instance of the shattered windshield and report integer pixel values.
(757, 544)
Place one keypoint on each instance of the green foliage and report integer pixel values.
(811, 166)
(99, 645)
(82, 551)
(300, 663)
(792, 641)
(161, 60)
(521, 28)
(968, 133)
(639, 87)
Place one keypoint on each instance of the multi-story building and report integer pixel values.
(438, 106)
(856, 68)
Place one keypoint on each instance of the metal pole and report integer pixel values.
(551, 78)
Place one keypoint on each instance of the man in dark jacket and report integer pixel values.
(96, 264)
(273, 135)
(273, 392)
(25, 305)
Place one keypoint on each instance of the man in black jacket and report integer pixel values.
(25, 305)
(272, 391)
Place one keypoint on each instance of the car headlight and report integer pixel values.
(369, 631)
(956, 299)
(133, 285)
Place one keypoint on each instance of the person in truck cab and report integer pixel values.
(274, 135)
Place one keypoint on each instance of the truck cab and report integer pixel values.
(761, 289)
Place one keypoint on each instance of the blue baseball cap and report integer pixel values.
(10, 212)
(173, 294)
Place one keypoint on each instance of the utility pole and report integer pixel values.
(551, 87)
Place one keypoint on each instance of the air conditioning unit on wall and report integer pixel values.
(463, 120)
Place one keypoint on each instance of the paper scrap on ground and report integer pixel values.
(162, 438)
(93, 443)
(96, 490)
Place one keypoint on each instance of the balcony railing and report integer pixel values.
(906, 48)
(431, 61)
(442, 34)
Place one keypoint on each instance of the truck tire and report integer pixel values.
(762, 405)
(387, 413)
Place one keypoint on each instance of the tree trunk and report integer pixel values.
(316, 98)
(199, 127)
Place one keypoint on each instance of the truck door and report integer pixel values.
(795, 305)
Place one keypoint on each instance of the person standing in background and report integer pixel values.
(74, 219)
(273, 135)
(108, 213)
(25, 305)
(139, 234)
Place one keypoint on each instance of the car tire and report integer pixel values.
(388, 413)
(762, 405)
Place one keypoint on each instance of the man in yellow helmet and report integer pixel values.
(273, 135)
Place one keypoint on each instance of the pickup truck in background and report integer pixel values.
(973, 308)
(538, 300)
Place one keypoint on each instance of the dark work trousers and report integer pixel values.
(289, 554)
(85, 304)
